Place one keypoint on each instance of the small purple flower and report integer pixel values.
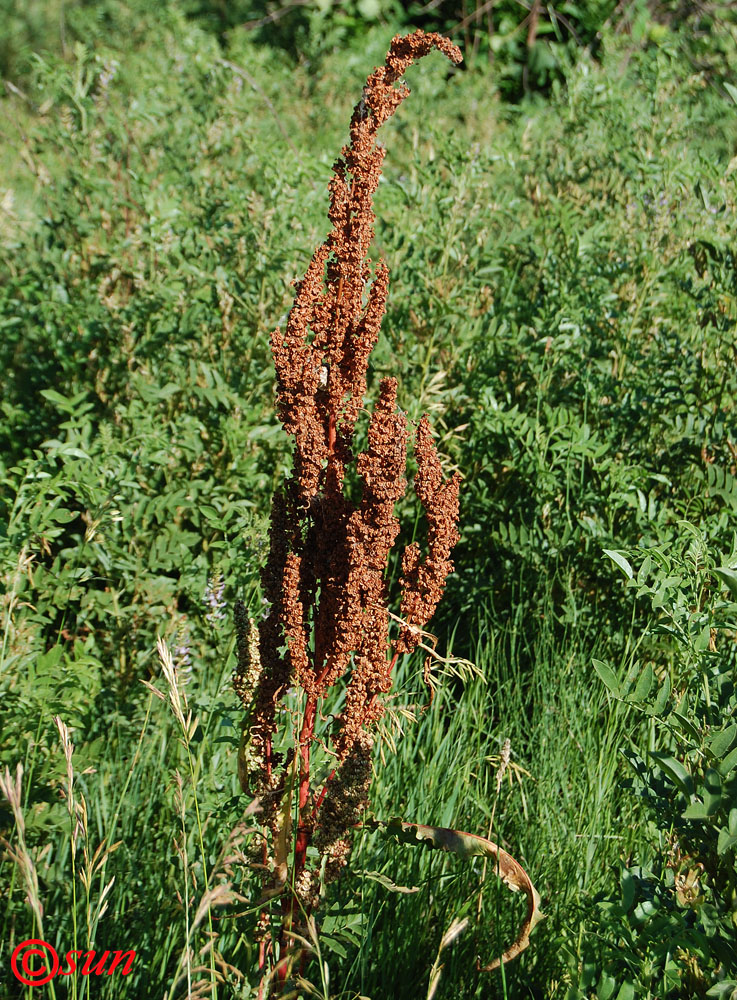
(213, 599)
(182, 655)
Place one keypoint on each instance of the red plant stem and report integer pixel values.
(264, 950)
(304, 833)
(302, 839)
(331, 435)
(305, 742)
(281, 970)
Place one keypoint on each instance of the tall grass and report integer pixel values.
(560, 804)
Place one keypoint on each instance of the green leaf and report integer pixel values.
(729, 763)
(336, 946)
(728, 577)
(726, 841)
(54, 397)
(663, 697)
(696, 810)
(629, 888)
(721, 742)
(687, 727)
(644, 684)
(723, 990)
(607, 675)
(607, 986)
(66, 404)
(712, 791)
(626, 992)
(703, 639)
(674, 769)
(620, 560)
(47, 662)
(66, 449)
(644, 570)
(62, 516)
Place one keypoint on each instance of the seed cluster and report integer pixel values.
(328, 620)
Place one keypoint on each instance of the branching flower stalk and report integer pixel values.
(327, 628)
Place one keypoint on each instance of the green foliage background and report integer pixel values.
(558, 220)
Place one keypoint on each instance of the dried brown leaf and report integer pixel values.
(469, 845)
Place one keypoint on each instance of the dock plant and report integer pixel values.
(314, 673)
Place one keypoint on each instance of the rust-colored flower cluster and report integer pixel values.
(328, 622)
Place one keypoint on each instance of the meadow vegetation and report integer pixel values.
(559, 232)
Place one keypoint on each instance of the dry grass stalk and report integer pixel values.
(20, 855)
(328, 622)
